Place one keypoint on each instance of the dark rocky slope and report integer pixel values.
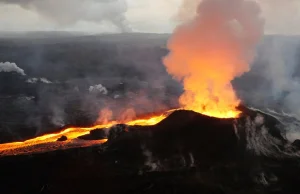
(185, 153)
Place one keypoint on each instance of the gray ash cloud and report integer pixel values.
(69, 12)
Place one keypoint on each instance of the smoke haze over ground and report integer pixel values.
(283, 62)
(69, 80)
(50, 81)
(130, 68)
(130, 64)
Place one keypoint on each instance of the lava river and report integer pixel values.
(48, 142)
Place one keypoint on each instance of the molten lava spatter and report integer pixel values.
(49, 142)
(210, 50)
(199, 101)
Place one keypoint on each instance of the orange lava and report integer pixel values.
(49, 142)
(212, 48)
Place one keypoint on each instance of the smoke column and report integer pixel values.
(208, 51)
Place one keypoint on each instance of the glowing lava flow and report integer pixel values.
(43, 142)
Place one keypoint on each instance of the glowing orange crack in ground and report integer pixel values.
(75, 132)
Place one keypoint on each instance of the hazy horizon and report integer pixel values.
(115, 16)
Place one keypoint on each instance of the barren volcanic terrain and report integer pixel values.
(185, 153)
(99, 114)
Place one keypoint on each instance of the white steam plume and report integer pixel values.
(98, 89)
(280, 57)
(11, 67)
(35, 80)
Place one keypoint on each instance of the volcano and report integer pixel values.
(186, 152)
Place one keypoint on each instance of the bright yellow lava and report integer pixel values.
(222, 114)
(75, 132)
(49, 142)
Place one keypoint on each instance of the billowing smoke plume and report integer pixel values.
(210, 50)
(68, 12)
(11, 67)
